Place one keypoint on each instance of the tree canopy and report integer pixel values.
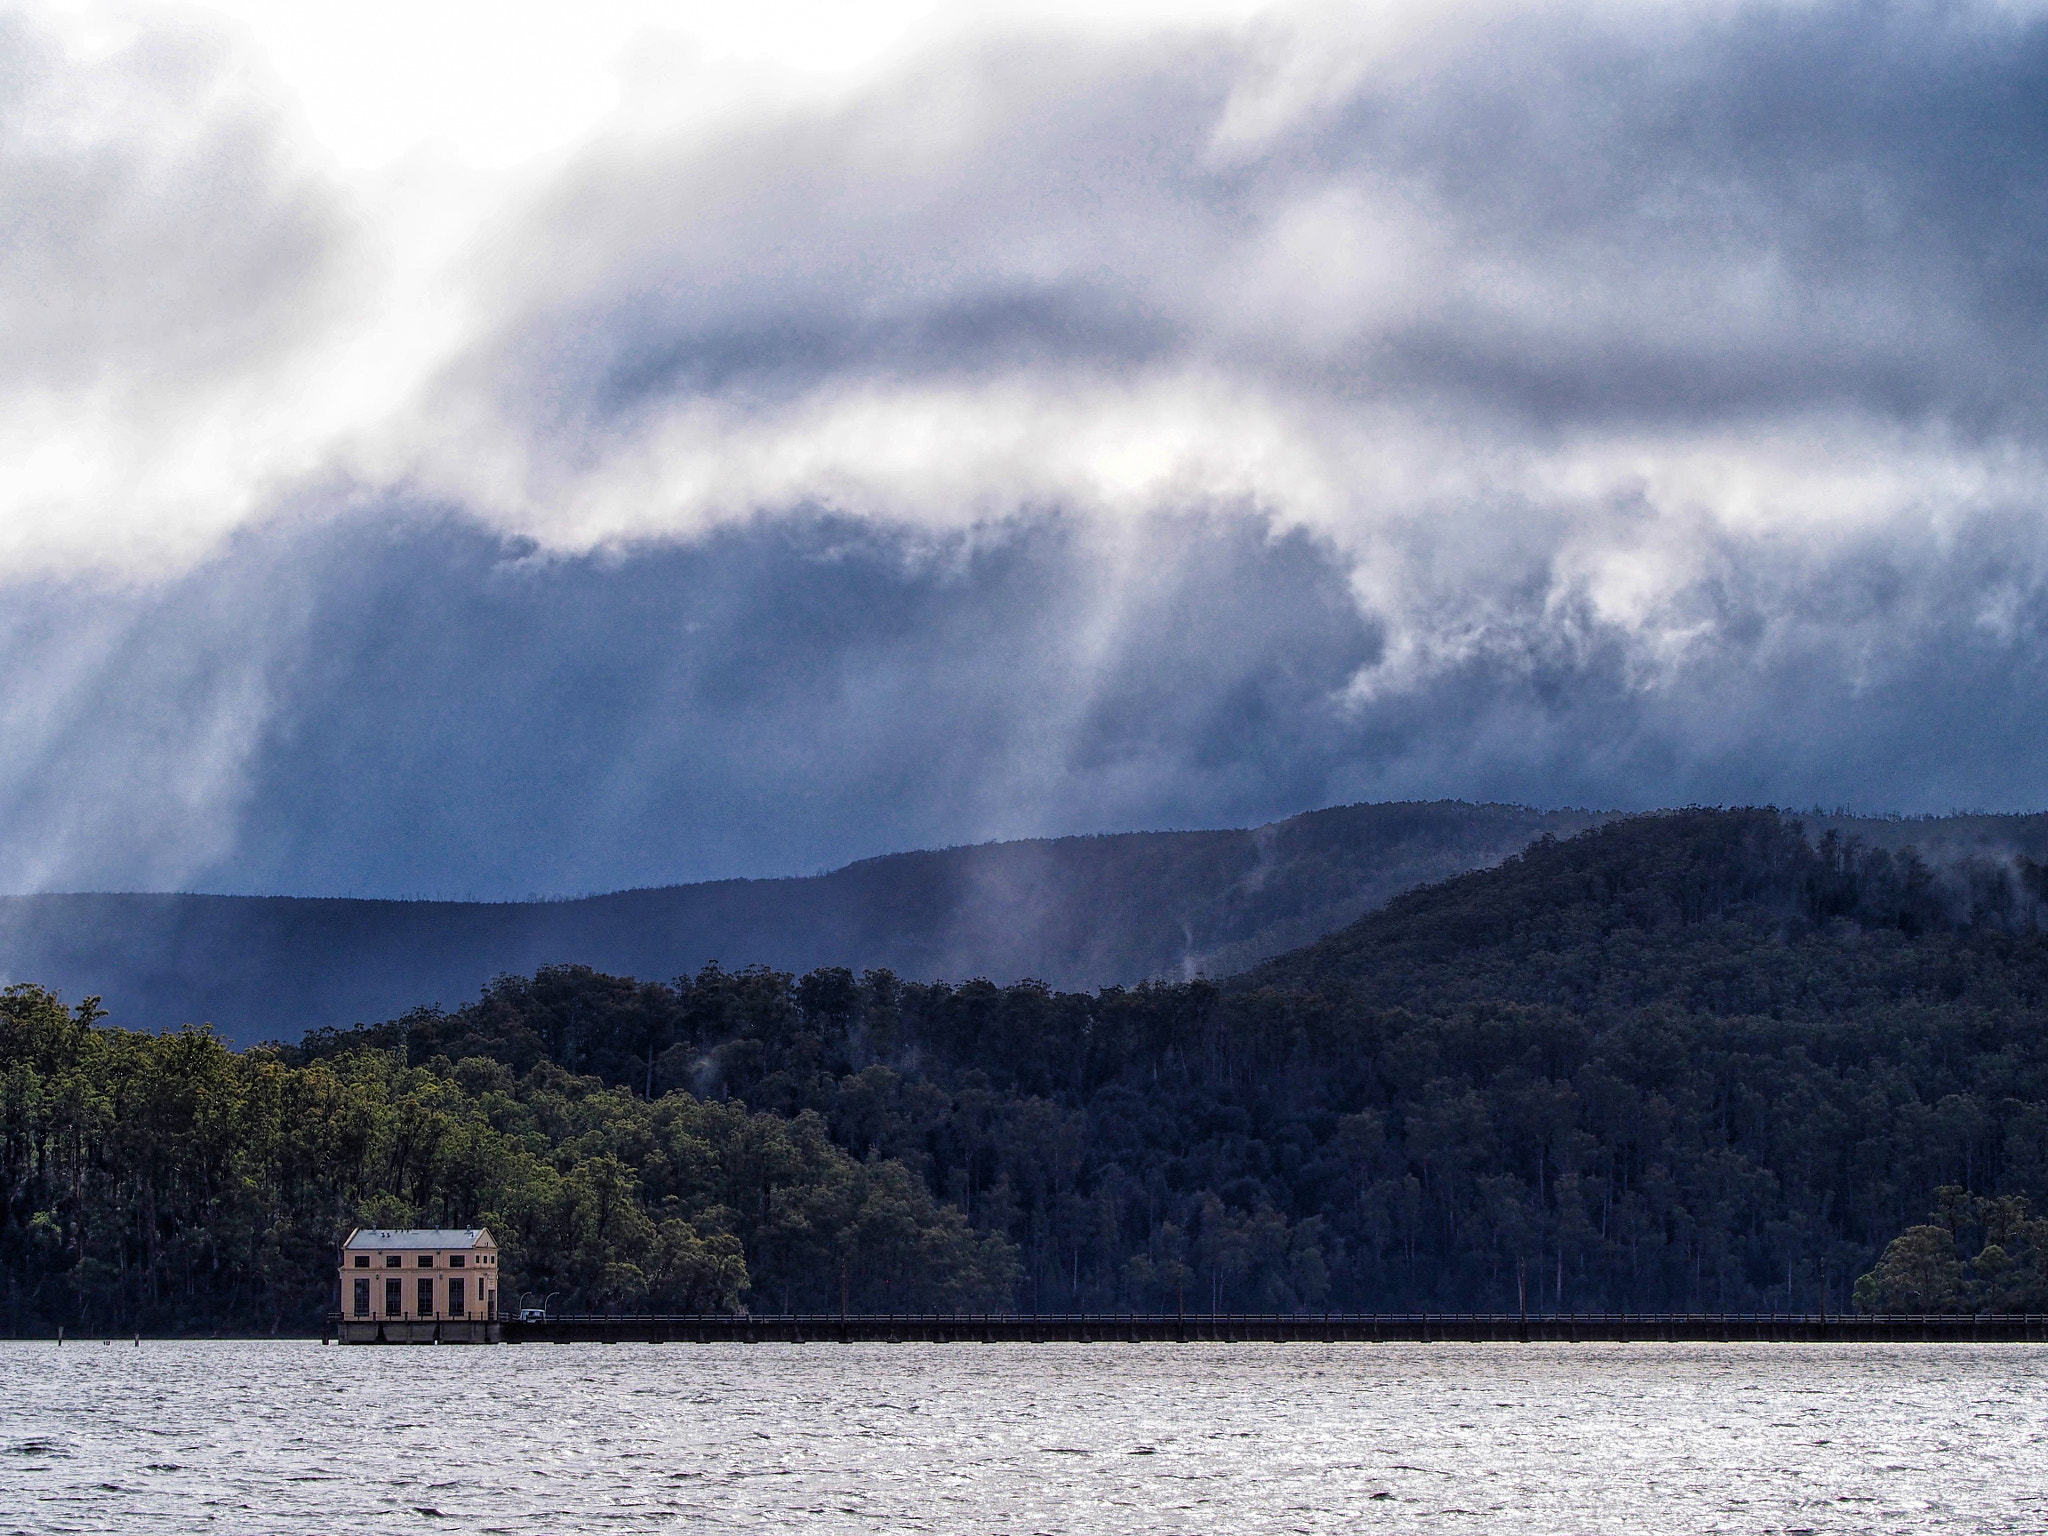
(1699, 1060)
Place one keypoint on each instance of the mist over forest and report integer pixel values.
(1074, 913)
(681, 459)
(1071, 912)
(1700, 1060)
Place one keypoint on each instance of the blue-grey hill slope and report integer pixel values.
(1077, 912)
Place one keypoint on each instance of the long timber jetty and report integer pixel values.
(1216, 1328)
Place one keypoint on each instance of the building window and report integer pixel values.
(394, 1297)
(426, 1261)
(426, 1298)
(362, 1298)
(392, 1261)
(455, 1299)
(455, 1261)
(362, 1261)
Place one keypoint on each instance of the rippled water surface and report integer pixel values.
(1017, 1437)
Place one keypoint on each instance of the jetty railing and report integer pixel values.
(1276, 1327)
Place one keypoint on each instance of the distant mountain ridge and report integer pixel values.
(1556, 923)
(1700, 1059)
(1075, 912)
(1703, 1060)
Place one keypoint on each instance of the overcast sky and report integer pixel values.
(462, 449)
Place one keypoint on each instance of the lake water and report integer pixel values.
(291, 1437)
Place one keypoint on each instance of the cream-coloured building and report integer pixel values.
(419, 1275)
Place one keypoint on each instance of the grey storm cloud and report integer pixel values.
(1568, 217)
(1606, 405)
(434, 709)
(408, 703)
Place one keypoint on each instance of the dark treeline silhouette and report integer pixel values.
(1698, 1060)
(167, 1182)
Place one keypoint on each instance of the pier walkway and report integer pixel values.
(1219, 1328)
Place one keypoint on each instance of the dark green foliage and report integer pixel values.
(1697, 1060)
(1692, 1060)
(1923, 1268)
(1919, 1272)
(166, 1182)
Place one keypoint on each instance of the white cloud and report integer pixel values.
(911, 261)
(1618, 343)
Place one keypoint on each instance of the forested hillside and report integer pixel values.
(1694, 1060)
(1075, 912)
(165, 1182)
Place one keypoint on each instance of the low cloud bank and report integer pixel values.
(409, 704)
(1052, 431)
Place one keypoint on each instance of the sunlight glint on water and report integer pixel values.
(250, 1437)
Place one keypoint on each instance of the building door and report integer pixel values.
(362, 1298)
(394, 1298)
